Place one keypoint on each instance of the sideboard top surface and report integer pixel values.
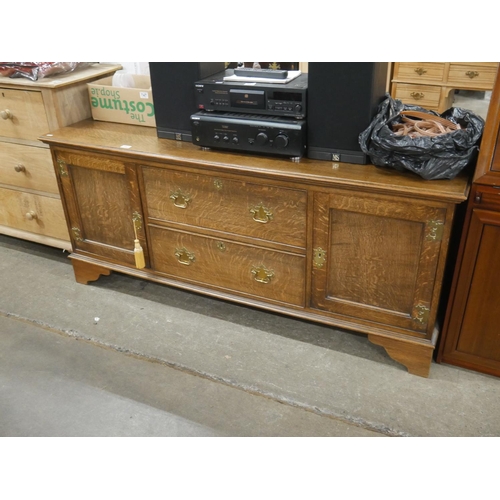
(138, 143)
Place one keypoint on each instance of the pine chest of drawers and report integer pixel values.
(30, 205)
(350, 246)
(431, 84)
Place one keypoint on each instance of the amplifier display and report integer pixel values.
(249, 133)
(287, 99)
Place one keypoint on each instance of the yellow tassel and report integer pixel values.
(139, 255)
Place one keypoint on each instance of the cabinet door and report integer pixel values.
(473, 339)
(375, 259)
(101, 198)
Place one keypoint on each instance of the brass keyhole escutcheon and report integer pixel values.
(261, 214)
(184, 256)
(180, 199)
(221, 246)
(218, 184)
(261, 274)
(319, 257)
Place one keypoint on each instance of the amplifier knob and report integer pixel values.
(216, 138)
(281, 141)
(261, 139)
(298, 108)
(225, 138)
(235, 140)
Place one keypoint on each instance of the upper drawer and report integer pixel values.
(22, 114)
(272, 213)
(472, 75)
(27, 167)
(420, 71)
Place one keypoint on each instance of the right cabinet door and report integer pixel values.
(377, 258)
(473, 333)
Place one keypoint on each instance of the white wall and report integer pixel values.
(135, 68)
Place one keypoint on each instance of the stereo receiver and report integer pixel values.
(249, 133)
(217, 93)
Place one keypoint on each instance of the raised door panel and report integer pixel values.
(102, 199)
(473, 338)
(254, 210)
(375, 258)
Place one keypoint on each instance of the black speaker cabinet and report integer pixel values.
(172, 85)
(342, 99)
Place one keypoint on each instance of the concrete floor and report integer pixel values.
(125, 357)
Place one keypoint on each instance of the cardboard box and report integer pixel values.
(132, 105)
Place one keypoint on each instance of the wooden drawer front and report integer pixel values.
(23, 114)
(266, 212)
(426, 96)
(37, 214)
(473, 76)
(420, 71)
(27, 167)
(234, 267)
(486, 197)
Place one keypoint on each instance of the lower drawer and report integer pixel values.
(426, 96)
(230, 266)
(33, 213)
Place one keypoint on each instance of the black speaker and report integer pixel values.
(172, 85)
(342, 99)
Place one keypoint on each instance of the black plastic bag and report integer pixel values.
(440, 157)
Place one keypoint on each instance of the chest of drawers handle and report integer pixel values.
(20, 168)
(184, 256)
(417, 95)
(6, 114)
(180, 200)
(31, 215)
(472, 74)
(420, 71)
(261, 214)
(262, 275)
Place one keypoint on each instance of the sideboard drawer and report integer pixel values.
(229, 205)
(22, 114)
(27, 167)
(480, 76)
(229, 266)
(37, 214)
(426, 96)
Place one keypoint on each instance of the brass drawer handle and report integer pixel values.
(262, 275)
(6, 114)
(420, 71)
(261, 214)
(184, 256)
(31, 215)
(180, 200)
(20, 168)
(417, 95)
(472, 74)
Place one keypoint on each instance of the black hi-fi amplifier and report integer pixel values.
(272, 99)
(249, 133)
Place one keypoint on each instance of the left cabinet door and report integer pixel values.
(102, 202)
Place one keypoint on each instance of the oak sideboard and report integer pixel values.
(351, 246)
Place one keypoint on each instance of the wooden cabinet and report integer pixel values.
(471, 337)
(431, 84)
(30, 205)
(350, 246)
